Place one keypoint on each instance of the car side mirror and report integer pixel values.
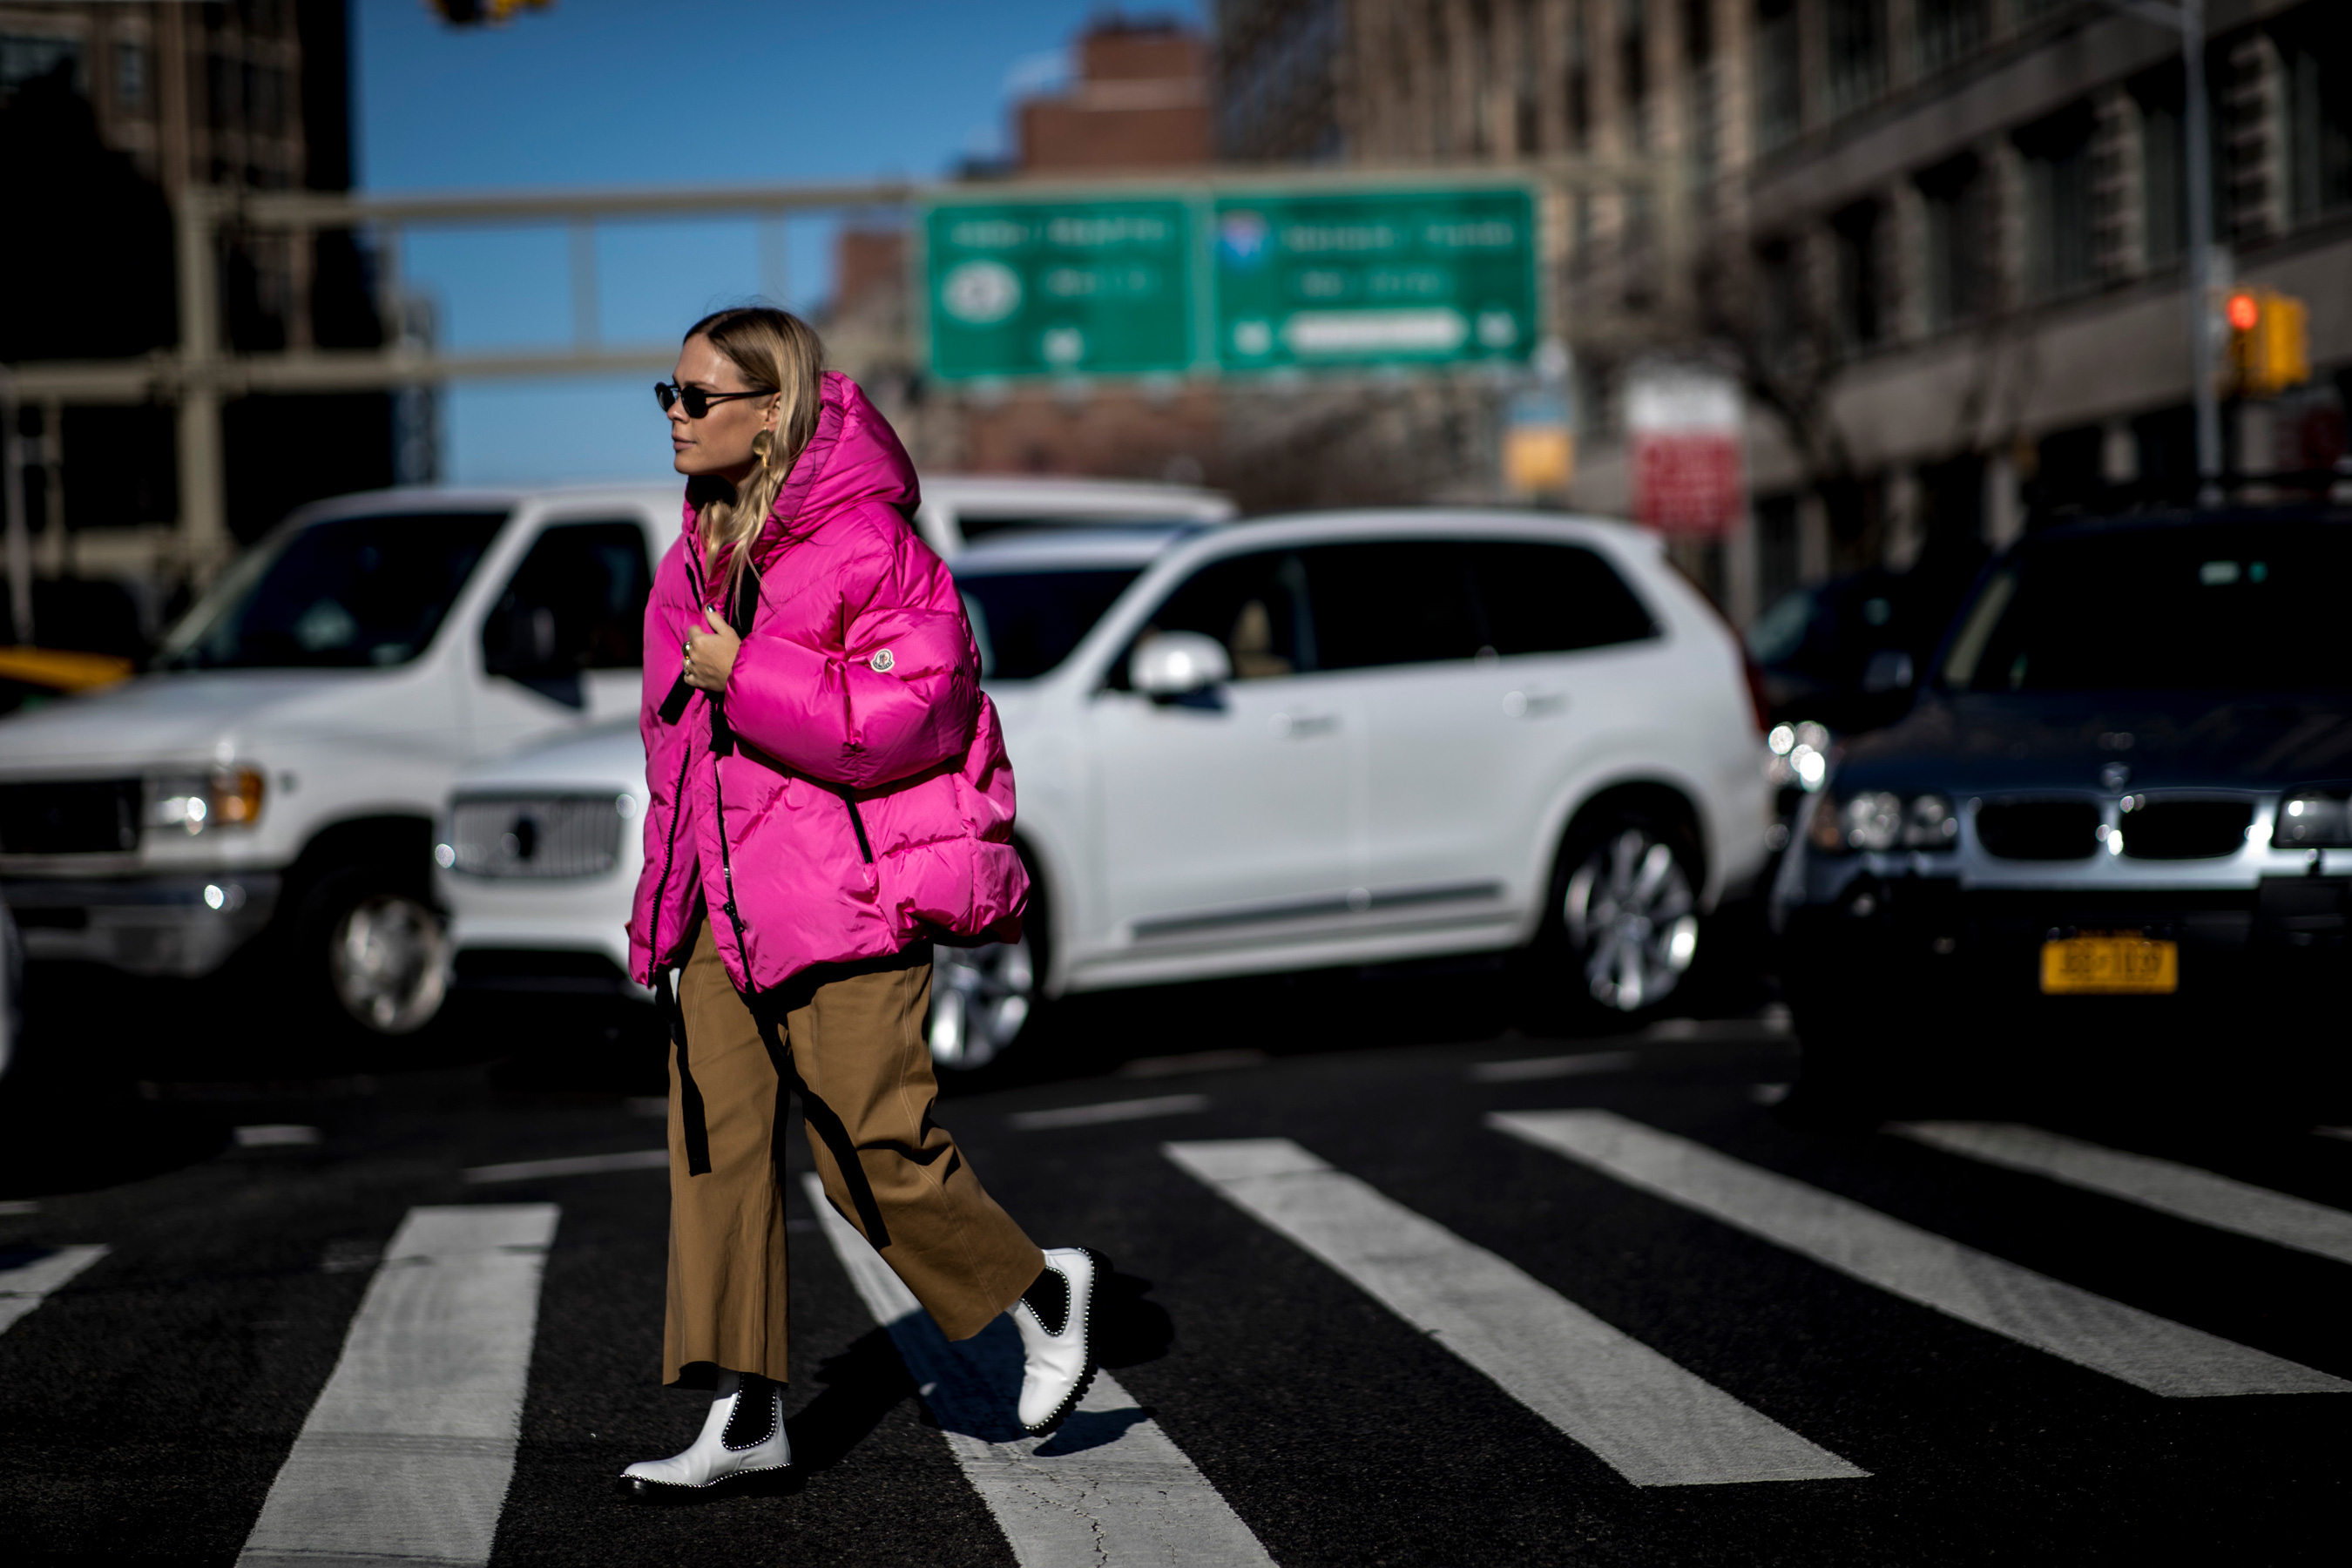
(1177, 664)
(1889, 670)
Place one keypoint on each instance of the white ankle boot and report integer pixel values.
(1059, 1361)
(743, 1432)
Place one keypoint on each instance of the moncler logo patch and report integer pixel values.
(882, 661)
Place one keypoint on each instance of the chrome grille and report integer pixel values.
(2038, 829)
(541, 837)
(78, 816)
(2185, 829)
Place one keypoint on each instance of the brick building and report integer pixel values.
(1140, 102)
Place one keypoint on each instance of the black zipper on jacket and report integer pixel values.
(680, 694)
(722, 744)
(669, 857)
(856, 822)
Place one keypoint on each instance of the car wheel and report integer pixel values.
(383, 953)
(986, 998)
(982, 999)
(1622, 929)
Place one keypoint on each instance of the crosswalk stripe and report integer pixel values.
(2182, 1191)
(1648, 1419)
(26, 1285)
(570, 1165)
(1108, 1486)
(1991, 1293)
(1524, 1069)
(1116, 1110)
(407, 1453)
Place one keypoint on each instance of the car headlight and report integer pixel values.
(226, 798)
(2314, 819)
(1800, 754)
(1880, 819)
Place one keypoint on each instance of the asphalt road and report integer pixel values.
(1392, 1285)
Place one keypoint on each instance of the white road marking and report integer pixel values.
(1114, 1110)
(1648, 1419)
(1527, 1068)
(26, 1285)
(276, 1135)
(1991, 1293)
(15, 1207)
(1196, 1061)
(1108, 1486)
(2182, 1191)
(578, 1166)
(407, 1453)
(2343, 1132)
(1767, 1093)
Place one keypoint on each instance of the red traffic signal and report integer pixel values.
(2245, 311)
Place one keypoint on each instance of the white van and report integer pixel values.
(1299, 742)
(279, 768)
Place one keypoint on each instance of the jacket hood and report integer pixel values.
(854, 458)
(1970, 741)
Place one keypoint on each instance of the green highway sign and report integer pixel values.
(1060, 286)
(1190, 278)
(1374, 278)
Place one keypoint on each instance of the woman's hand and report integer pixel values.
(710, 655)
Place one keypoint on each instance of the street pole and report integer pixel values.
(2200, 166)
(19, 544)
(2188, 18)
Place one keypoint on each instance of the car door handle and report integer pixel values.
(1533, 704)
(1301, 726)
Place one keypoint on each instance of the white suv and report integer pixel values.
(1299, 743)
(279, 770)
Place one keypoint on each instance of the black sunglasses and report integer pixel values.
(698, 402)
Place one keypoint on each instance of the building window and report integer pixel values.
(2318, 50)
(1779, 314)
(1634, 67)
(1526, 107)
(131, 78)
(2059, 219)
(1857, 41)
(1579, 81)
(1954, 196)
(1949, 30)
(2164, 193)
(23, 59)
(1777, 103)
(222, 107)
(1855, 234)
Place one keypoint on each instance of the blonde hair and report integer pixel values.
(776, 352)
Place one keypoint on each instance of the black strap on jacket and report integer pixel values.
(690, 1093)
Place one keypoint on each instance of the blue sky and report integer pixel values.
(682, 92)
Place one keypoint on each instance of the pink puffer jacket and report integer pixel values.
(858, 795)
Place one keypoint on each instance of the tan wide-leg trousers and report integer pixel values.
(849, 1038)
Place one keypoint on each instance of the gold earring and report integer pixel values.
(760, 444)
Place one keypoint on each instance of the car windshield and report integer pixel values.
(2246, 605)
(1027, 622)
(365, 592)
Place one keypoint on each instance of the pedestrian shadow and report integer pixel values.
(1129, 1328)
(862, 1385)
(1087, 1429)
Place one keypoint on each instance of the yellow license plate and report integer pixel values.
(2127, 964)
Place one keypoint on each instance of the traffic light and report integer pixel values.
(2270, 343)
(473, 13)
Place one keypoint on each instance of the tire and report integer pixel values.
(1621, 929)
(377, 954)
(986, 999)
